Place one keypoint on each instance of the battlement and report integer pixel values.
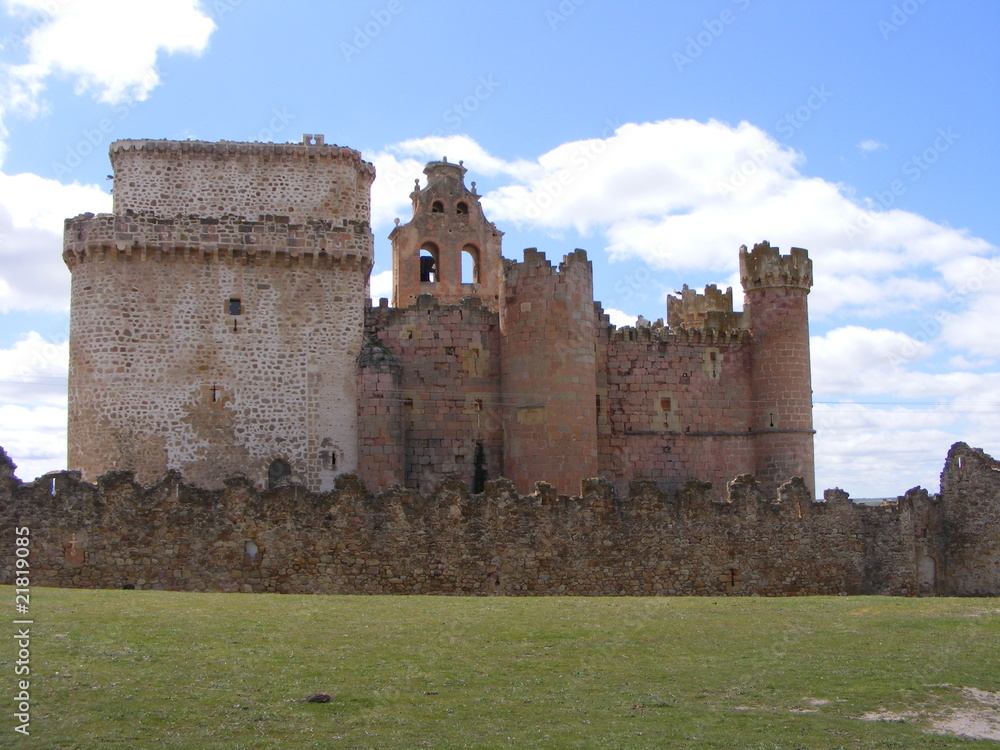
(536, 264)
(139, 235)
(711, 310)
(708, 336)
(764, 266)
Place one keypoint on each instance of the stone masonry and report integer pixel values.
(175, 536)
(221, 324)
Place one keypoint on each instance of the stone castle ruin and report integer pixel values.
(243, 418)
(221, 325)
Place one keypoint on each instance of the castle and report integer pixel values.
(491, 433)
(221, 325)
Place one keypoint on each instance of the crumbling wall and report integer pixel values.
(349, 541)
(969, 563)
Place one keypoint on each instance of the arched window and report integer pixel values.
(437, 207)
(429, 266)
(462, 209)
(470, 264)
(277, 471)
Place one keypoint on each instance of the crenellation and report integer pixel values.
(171, 535)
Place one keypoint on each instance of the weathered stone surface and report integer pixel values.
(170, 535)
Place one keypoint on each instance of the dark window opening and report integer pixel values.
(215, 393)
(408, 403)
(477, 404)
(235, 306)
(479, 475)
(437, 207)
(462, 209)
(429, 272)
(277, 471)
(333, 460)
(665, 404)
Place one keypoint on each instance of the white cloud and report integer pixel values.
(380, 285)
(33, 404)
(871, 145)
(32, 210)
(681, 194)
(620, 318)
(110, 47)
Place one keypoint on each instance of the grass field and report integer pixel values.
(138, 669)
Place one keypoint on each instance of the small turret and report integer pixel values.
(448, 249)
(711, 310)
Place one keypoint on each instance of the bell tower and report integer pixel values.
(448, 249)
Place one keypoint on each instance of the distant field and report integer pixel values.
(140, 669)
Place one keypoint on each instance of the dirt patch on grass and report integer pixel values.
(978, 719)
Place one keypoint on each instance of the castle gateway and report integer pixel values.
(221, 325)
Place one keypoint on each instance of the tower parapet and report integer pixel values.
(775, 309)
(711, 310)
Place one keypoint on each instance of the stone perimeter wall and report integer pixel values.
(176, 537)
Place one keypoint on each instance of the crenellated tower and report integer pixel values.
(448, 249)
(775, 289)
(218, 312)
(548, 371)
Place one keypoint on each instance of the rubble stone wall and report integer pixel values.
(174, 536)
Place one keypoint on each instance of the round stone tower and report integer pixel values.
(217, 313)
(775, 289)
(549, 372)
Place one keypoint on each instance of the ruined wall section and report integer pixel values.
(174, 536)
(449, 360)
(969, 563)
(301, 181)
(678, 407)
(549, 372)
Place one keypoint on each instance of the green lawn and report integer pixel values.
(142, 669)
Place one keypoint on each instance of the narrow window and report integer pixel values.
(235, 306)
(665, 404)
(333, 459)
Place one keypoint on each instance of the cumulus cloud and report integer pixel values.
(109, 47)
(682, 194)
(32, 210)
(33, 404)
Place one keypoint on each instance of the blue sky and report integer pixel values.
(657, 136)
